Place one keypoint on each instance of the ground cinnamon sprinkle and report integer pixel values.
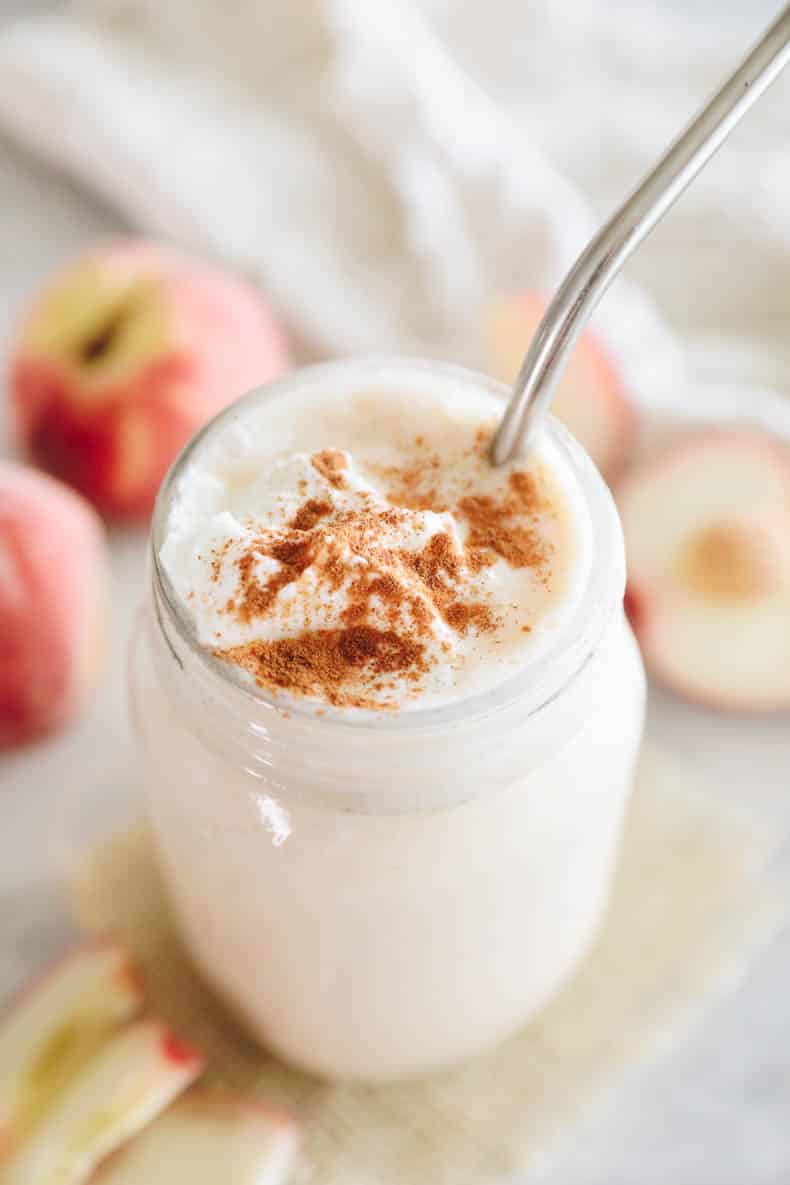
(492, 530)
(324, 661)
(489, 531)
(439, 567)
(524, 493)
(437, 564)
(293, 554)
(385, 587)
(331, 464)
(411, 487)
(393, 594)
(411, 497)
(217, 556)
(461, 616)
(498, 527)
(311, 513)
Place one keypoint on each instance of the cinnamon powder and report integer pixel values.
(496, 527)
(311, 513)
(331, 464)
(406, 588)
(294, 553)
(323, 662)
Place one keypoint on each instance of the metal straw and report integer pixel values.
(604, 256)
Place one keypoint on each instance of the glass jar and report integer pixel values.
(378, 899)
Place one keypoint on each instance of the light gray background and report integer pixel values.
(719, 1112)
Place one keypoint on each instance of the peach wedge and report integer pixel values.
(204, 1138)
(51, 1029)
(132, 1077)
(707, 529)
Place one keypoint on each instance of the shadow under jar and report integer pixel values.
(380, 898)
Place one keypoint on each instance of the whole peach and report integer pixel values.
(590, 399)
(52, 602)
(123, 356)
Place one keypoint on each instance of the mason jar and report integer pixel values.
(379, 898)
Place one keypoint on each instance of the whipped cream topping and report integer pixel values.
(379, 567)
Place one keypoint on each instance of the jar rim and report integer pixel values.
(573, 646)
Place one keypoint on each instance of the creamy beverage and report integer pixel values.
(358, 550)
(390, 708)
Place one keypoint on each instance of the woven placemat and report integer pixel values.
(693, 902)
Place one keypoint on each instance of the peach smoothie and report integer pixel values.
(390, 708)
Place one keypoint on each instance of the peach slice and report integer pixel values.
(133, 1077)
(54, 1026)
(124, 356)
(707, 529)
(53, 578)
(204, 1138)
(590, 398)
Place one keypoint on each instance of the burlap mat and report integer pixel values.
(692, 905)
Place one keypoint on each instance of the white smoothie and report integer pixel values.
(390, 708)
(373, 509)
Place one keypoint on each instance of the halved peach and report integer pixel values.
(590, 398)
(707, 528)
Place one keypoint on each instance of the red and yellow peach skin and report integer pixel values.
(123, 356)
(52, 602)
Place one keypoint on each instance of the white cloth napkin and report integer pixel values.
(332, 148)
(601, 89)
(693, 904)
(338, 151)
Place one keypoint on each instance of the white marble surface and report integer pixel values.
(716, 1114)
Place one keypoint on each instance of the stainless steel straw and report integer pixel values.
(604, 256)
